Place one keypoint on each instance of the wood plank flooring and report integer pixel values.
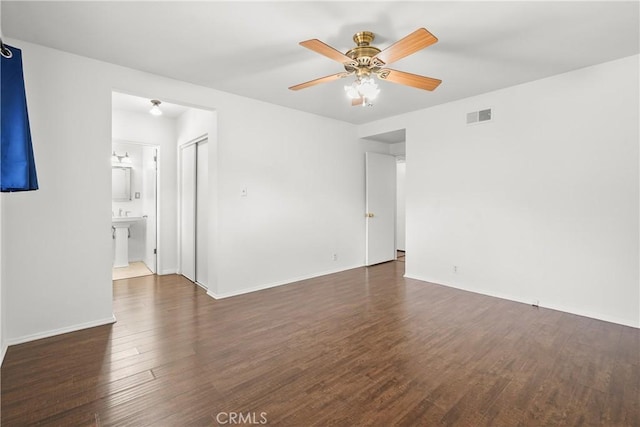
(361, 347)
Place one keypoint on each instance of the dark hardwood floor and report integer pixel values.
(362, 347)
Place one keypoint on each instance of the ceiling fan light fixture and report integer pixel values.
(155, 109)
(364, 88)
(352, 90)
(368, 88)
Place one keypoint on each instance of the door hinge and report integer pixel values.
(155, 251)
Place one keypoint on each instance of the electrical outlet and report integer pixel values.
(244, 192)
(455, 268)
(335, 257)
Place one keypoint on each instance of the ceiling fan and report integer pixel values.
(365, 60)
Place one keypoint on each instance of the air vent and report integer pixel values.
(481, 116)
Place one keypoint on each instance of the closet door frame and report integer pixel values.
(180, 149)
(202, 214)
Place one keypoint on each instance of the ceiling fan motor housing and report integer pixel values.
(363, 53)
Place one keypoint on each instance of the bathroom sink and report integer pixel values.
(125, 221)
(121, 235)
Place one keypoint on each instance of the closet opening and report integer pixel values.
(194, 207)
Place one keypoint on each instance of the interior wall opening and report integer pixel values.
(390, 201)
(149, 134)
(134, 209)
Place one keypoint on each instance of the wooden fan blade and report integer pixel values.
(318, 81)
(326, 50)
(357, 101)
(412, 43)
(408, 79)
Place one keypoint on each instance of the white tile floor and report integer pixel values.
(135, 269)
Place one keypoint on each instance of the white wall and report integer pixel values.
(160, 131)
(57, 273)
(305, 195)
(399, 149)
(401, 168)
(540, 204)
(195, 123)
(305, 177)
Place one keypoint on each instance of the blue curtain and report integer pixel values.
(17, 169)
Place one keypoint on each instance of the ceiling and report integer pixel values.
(251, 49)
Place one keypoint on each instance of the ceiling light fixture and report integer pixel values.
(118, 159)
(155, 110)
(364, 89)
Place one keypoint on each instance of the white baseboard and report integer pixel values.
(59, 331)
(279, 283)
(3, 351)
(551, 306)
(167, 271)
(593, 315)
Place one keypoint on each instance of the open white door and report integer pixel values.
(380, 208)
(149, 205)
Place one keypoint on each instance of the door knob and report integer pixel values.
(369, 215)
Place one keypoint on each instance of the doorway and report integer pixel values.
(385, 171)
(194, 201)
(135, 210)
(385, 208)
(401, 168)
(380, 199)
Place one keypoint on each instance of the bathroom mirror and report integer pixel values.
(120, 184)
